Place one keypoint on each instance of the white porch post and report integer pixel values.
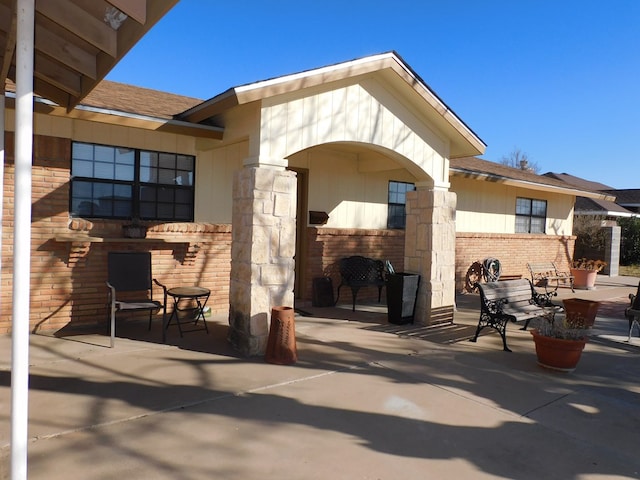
(430, 239)
(22, 239)
(262, 251)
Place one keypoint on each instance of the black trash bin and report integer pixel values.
(402, 292)
(322, 292)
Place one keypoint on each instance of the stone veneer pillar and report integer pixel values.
(430, 243)
(262, 251)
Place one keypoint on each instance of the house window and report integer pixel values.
(531, 215)
(396, 216)
(116, 182)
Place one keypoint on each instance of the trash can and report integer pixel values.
(402, 292)
(322, 292)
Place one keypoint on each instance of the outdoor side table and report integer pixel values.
(188, 307)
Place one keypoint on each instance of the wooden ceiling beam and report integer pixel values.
(136, 9)
(81, 23)
(65, 52)
(10, 43)
(55, 74)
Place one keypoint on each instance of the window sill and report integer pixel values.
(80, 244)
(84, 238)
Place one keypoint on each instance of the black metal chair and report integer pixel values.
(129, 273)
(633, 312)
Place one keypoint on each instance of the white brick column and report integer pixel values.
(430, 246)
(262, 251)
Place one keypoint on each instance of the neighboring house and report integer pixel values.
(627, 198)
(615, 205)
(232, 189)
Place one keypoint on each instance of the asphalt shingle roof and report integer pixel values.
(137, 100)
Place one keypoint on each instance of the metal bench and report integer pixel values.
(357, 272)
(547, 275)
(633, 312)
(511, 300)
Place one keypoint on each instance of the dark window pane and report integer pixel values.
(167, 160)
(523, 206)
(148, 210)
(184, 162)
(125, 156)
(126, 173)
(165, 195)
(539, 208)
(166, 177)
(184, 178)
(183, 212)
(103, 170)
(397, 200)
(165, 210)
(183, 196)
(82, 189)
(82, 168)
(147, 194)
(104, 154)
(122, 208)
(82, 151)
(537, 225)
(149, 174)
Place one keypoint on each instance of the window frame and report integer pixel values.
(531, 217)
(126, 174)
(395, 220)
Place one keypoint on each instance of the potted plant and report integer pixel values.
(585, 271)
(560, 340)
(135, 229)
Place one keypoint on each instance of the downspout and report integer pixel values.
(22, 239)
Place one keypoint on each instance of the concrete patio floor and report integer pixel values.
(366, 400)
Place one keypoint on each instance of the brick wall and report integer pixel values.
(513, 251)
(326, 246)
(68, 278)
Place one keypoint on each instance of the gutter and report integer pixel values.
(490, 177)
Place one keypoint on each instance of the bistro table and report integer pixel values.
(188, 303)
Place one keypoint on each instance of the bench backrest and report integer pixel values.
(361, 269)
(542, 269)
(516, 292)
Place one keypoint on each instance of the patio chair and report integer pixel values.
(131, 286)
(633, 312)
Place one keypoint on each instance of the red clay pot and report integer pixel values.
(281, 345)
(557, 353)
(579, 310)
(584, 279)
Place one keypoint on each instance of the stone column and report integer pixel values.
(262, 253)
(612, 250)
(430, 245)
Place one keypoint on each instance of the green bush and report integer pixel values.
(630, 241)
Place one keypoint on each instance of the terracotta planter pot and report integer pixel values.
(281, 345)
(581, 312)
(557, 353)
(584, 279)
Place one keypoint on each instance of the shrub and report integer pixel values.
(630, 241)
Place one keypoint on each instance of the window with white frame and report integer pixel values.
(531, 215)
(396, 215)
(125, 183)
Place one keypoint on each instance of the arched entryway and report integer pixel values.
(349, 132)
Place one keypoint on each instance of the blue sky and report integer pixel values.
(559, 80)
